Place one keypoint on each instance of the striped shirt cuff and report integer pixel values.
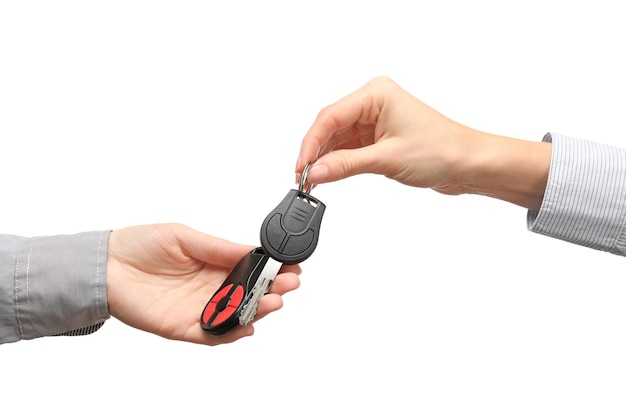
(82, 331)
(60, 284)
(585, 197)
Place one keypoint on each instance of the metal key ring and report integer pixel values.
(302, 184)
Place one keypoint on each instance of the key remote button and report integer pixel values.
(212, 305)
(230, 307)
(223, 305)
(297, 245)
(274, 233)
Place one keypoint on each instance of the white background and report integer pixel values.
(128, 112)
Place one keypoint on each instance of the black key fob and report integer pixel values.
(289, 234)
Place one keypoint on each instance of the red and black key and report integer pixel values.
(224, 309)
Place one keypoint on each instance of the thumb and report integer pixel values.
(344, 163)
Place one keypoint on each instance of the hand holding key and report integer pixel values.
(158, 278)
(289, 235)
(382, 129)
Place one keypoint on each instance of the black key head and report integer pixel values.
(289, 234)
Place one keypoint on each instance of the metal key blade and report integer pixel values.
(261, 287)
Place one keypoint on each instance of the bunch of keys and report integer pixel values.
(289, 235)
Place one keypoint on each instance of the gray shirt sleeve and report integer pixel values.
(585, 198)
(52, 285)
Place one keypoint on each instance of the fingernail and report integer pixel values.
(297, 173)
(318, 173)
(298, 163)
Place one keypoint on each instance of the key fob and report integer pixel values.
(223, 310)
(289, 234)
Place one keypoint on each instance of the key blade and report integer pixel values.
(261, 287)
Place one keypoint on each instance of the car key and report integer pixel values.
(262, 286)
(235, 302)
(290, 232)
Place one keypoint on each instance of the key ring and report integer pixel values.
(302, 184)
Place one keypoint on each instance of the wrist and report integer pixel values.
(509, 169)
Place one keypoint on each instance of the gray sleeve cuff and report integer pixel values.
(55, 285)
(585, 198)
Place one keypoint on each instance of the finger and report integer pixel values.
(199, 336)
(345, 163)
(333, 120)
(284, 283)
(212, 250)
(296, 269)
(269, 303)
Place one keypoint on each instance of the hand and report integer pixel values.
(382, 129)
(160, 277)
